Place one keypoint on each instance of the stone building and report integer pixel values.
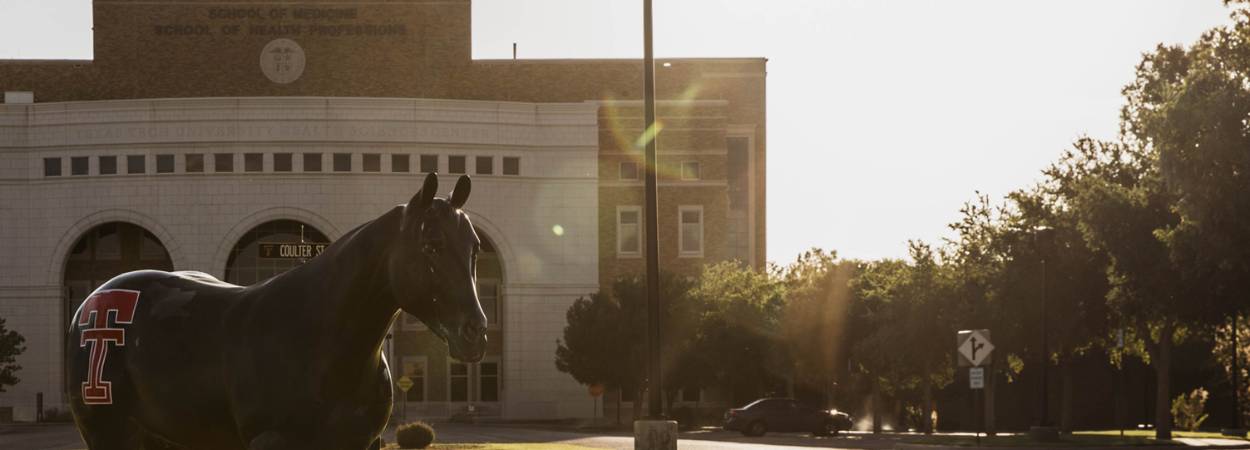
(234, 138)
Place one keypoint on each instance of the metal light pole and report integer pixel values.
(654, 383)
(1045, 349)
(1043, 431)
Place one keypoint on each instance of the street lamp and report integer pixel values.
(1043, 237)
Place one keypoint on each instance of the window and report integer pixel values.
(628, 231)
(108, 165)
(629, 171)
(399, 163)
(738, 172)
(52, 167)
(458, 382)
(282, 162)
(195, 162)
(488, 295)
(164, 163)
(488, 381)
(429, 163)
(485, 165)
(690, 236)
(312, 162)
(342, 162)
(511, 165)
(372, 162)
(136, 164)
(690, 170)
(455, 164)
(223, 162)
(78, 165)
(414, 368)
(253, 162)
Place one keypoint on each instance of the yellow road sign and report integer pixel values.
(404, 383)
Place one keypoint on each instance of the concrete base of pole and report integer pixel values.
(655, 435)
(1044, 434)
(1239, 432)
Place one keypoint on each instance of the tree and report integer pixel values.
(596, 349)
(12, 344)
(739, 329)
(813, 321)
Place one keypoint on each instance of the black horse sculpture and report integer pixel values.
(159, 358)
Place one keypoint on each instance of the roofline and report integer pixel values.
(45, 61)
(620, 60)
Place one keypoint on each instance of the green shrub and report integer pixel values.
(414, 435)
(1187, 409)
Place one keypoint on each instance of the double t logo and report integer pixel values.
(120, 303)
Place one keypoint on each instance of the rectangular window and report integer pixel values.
(136, 164)
(511, 165)
(342, 162)
(195, 162)
(108, 165)
(372, 162)
(52, 167)
(485, 165)
(690, 170)
(628, 231)
(458, 384)
(164, 163)
(737, 168)
(223, 162)
(415, 369)
(253, 162)
(488, 381)
(282, 162)
(629, 171)
(312, 162)
(399, 163)
(690, 236)
(429, 163)
(488, 295)
(78, 165)
(455, 164)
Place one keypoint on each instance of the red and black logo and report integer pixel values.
(95, 312)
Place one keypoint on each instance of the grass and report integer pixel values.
(1078, 440)
(1151, 434)
(531, 446)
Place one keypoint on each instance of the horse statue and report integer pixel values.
(182, 359)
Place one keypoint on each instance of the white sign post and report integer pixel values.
(976, 377)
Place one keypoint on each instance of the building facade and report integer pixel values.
(237, 138)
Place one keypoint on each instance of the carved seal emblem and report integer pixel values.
(282, 61)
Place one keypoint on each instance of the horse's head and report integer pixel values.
(433, 269)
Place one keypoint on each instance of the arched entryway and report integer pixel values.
(105, 251)
(272, 248)
(442, 386)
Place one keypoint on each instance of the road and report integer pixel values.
(65, 437)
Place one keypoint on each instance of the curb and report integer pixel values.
(902, 446)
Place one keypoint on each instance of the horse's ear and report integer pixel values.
(460, 194)
(422, 200)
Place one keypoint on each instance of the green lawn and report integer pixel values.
(1078, 440)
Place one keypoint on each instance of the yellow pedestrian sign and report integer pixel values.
(404, 383)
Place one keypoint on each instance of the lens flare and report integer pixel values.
(557, 230)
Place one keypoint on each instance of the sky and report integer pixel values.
(884, 117)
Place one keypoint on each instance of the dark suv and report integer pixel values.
(784, 414)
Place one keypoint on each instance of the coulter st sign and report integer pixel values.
(297, 250)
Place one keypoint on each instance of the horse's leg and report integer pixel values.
(109, 431)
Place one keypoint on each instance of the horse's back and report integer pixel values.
(152, 337)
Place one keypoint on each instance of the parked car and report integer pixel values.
(785, 415)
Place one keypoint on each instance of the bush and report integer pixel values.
(1187, 409)
(414, 435)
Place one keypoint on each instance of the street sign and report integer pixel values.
(404, 383)
(974, 347)
(596, 390)
(292, 250)
(976, 377)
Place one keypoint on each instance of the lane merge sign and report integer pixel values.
(974, 347)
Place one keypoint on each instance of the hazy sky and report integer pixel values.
(883, 116)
